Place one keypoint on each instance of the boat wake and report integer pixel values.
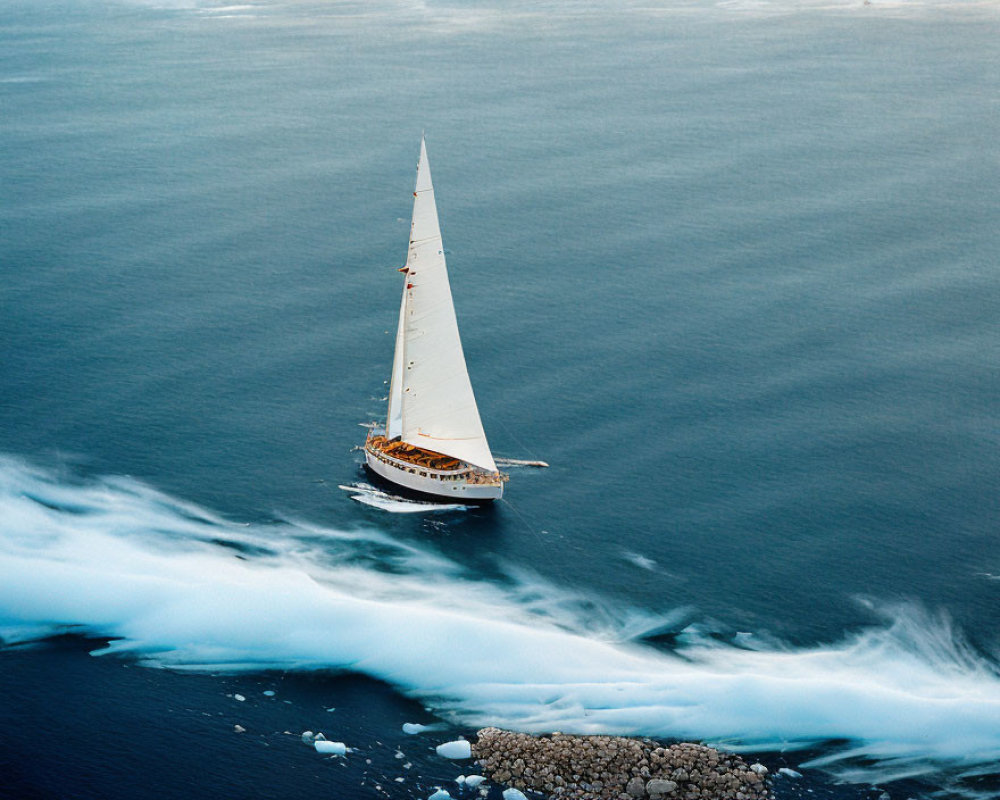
(370, 496)
(175, 585)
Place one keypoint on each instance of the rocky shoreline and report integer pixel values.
(616, 768)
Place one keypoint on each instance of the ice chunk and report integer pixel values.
(457, 749)
(791, 773)
(330, 748)
(440, 794)
(514, 794)
(268, 693)
(400, 754)
(319, 737)
(239, 697)
(307, 737)
(472, 781)
(413, 728)
(460, 780)
(239, 729)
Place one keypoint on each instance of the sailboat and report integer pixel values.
(433, 441)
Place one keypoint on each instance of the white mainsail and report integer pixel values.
(431, 403)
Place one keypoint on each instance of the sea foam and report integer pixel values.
(176, 585)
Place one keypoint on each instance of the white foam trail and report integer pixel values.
(640, 561)
(179, 586)
(405, 506)
(370, 496)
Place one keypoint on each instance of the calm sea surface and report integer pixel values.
(731, 268)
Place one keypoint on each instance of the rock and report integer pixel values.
(658, 787)
(568, 767)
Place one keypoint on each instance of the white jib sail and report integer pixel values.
(394, 421)
(437, 408)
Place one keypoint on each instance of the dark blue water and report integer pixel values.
(730, 269)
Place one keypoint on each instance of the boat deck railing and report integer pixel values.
(418, 462)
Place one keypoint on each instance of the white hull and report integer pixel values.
(448, 485)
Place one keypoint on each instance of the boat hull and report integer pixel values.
(454, 490)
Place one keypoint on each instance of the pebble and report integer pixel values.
(616, 768)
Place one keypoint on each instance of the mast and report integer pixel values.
(431, 402)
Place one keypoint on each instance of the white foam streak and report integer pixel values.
(458, 19)
(179, 586)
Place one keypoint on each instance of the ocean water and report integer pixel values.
(731, 268)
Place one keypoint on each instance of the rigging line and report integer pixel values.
(499, 421)
(524, 521)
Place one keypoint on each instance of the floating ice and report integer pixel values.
(330, 748)
(268, 693)
(473, 781)
(457, 749)
(791, 773)
(413, 728)
(514, 794)
(239, 729)
(460, 780)
(440, 794)
(239, 697)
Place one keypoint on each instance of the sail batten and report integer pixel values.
(431, 401)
